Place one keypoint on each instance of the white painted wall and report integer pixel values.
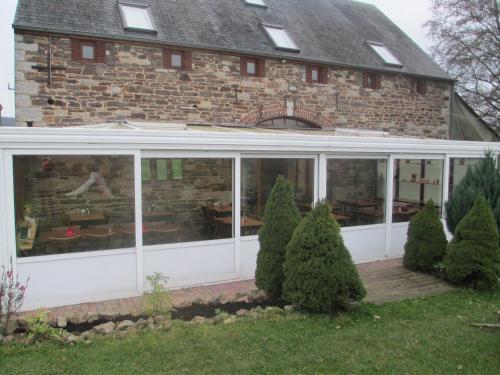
(57, 280)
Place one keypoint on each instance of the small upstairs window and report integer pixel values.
(252, 67)
(88, 51)
(175, 59)
(280, 38)
(371, 81)
(420, 87)
(136, 17)
(316, 74)
(383, 52)
(256, 3)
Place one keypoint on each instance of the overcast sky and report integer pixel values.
(409, 15)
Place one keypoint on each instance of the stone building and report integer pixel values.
(270, 63)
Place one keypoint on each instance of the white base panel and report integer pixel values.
(191, 264)
(366, 244)
(78, 280)
(399, 236)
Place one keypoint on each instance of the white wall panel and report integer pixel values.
(77, 280)
(191, 265)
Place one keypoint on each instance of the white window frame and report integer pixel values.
(123, 5)
(291, 48)
(385, 54)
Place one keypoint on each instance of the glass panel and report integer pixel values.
(176, 60)
(70, 204)
(458, 168)
(137, 17)
(88, 52)
(385, 54)
(415, 182)
(187, 200)
(256, 2)
(251, 68)
(280, 38)
(314, 74)
(356, 190)
(257, 179)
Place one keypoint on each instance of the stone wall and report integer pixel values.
(133, 84)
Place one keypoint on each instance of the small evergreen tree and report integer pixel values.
(473, 256)
(480, 179)
(319, 272)
(281, 217)
(426, 243)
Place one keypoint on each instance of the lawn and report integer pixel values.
(423, 336)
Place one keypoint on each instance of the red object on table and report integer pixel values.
(70, 232)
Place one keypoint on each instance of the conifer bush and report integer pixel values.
(473, 256)
(426, 243)
(319, 272)
(481, 179)
(281, 217)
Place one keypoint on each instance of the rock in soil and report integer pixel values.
(131, 330)
(167, 324)
(72, 339)
(123, 325)
(230, 320)
(61, 322)
(241, 313)
(158, 319)
(105, 328)
(198, 320)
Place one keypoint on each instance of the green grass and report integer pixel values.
(421, 336)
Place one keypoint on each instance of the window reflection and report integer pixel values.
(415, 182)
(356, 190)
(458, 169)
(68, 204)
(257, 180)
(185, 200)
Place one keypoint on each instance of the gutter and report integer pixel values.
(18, 28)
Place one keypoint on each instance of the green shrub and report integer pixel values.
(473, 256)
(480, 179)
(426, 243)
(319, 272)
(281, 217)
(39, 329)
(159, 301)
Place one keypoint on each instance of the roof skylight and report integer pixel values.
(136, 17)
(257, 3)
(384, 53)
(280, 38)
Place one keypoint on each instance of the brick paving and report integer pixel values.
(385, 280)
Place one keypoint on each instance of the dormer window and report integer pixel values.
(256, 3)
(383, 52)
(136, 17)
(280, 38)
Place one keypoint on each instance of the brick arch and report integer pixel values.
(281, 110)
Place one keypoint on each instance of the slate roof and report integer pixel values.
(327, 31)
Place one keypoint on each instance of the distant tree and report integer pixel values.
(480, 179)
(281, 217)
(426, 243)
(473, 256)
(319, 272)
(467, 45)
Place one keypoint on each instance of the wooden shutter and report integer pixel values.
(76, 50)
(243, 66)
(309, 73)
(261, 67)
(365, 80)
(166, 58)
(378, 81)
(323, 75)
(100, 52)
(187, 60)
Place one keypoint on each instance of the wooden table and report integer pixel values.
(86, 220)
(228, 209)
(247, 224)
(341, 218)
(361, 203)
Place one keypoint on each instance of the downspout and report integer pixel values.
(450, 116)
